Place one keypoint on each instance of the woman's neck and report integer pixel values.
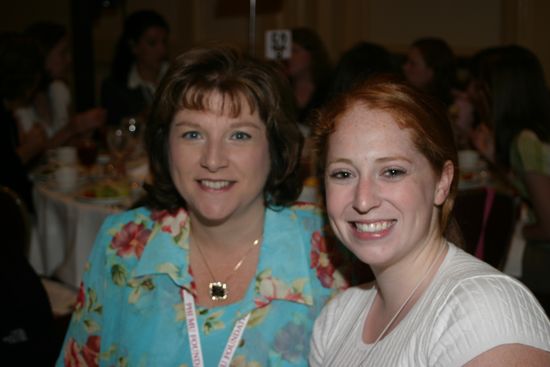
(394, 283)
(232, 234)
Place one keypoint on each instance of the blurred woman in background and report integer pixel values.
(431, 66)
(140, 61)
(513, 104)
(52, 104)
(309, 70)
(357, 64)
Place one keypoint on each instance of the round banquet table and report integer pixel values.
(64, 233)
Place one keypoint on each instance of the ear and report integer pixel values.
(444, 184)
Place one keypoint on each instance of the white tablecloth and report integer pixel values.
(64, 233)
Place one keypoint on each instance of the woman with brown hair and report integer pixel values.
(221, 266)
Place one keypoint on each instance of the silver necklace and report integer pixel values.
(403, 305)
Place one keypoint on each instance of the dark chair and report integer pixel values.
(36, 303)
(15, 221)
(26, 322)
(487, 219)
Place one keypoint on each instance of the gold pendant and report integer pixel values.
(218, 291)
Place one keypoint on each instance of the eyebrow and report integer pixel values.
(394, 158)
(237, 124)
(378, 160)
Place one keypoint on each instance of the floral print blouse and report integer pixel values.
(130, 309)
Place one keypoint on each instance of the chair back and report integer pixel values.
(15, 224)
(487, 219)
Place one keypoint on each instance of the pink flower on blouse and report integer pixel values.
(90, 351)
(320, 260)
(131, 239)
(80, 298)
(87, 356)
(170, 222)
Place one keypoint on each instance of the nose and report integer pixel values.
(366, 196)
(214, 156)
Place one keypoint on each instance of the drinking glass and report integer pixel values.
(134, 127)
(120, 145)
(87, 153)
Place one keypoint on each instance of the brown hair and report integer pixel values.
(412, 109)
(190, 82)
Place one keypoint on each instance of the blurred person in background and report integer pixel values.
(309, 70)
(431, 66)
(513, 104)
(51, 106)
(20, 76)
(26, 322)
(139, 63)
(357, 64)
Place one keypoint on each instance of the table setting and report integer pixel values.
(75, 190)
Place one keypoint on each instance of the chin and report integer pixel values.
(211, 219)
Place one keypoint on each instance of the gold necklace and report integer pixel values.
(218, 290)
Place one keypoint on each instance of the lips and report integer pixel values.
(374, 226)
(215, 184)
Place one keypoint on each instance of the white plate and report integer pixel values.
(101, 201)
(53, 185)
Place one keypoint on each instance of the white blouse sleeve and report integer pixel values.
(482, 313)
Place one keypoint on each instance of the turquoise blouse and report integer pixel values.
(130, 309)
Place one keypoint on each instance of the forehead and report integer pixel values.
(363, 128)
(231, 103)
(217, 107)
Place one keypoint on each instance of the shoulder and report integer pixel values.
(527, 136)
(122, 222)
(477, 308)
(121, 240)
(531, 153)
(141, 214)
(470, 282)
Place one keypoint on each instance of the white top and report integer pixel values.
(59, 100)
(148, 89)
(468, 309)
(26, 118)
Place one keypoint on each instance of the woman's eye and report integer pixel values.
(240, 135)
(340, 175)
(191, 135)
(393, 172)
